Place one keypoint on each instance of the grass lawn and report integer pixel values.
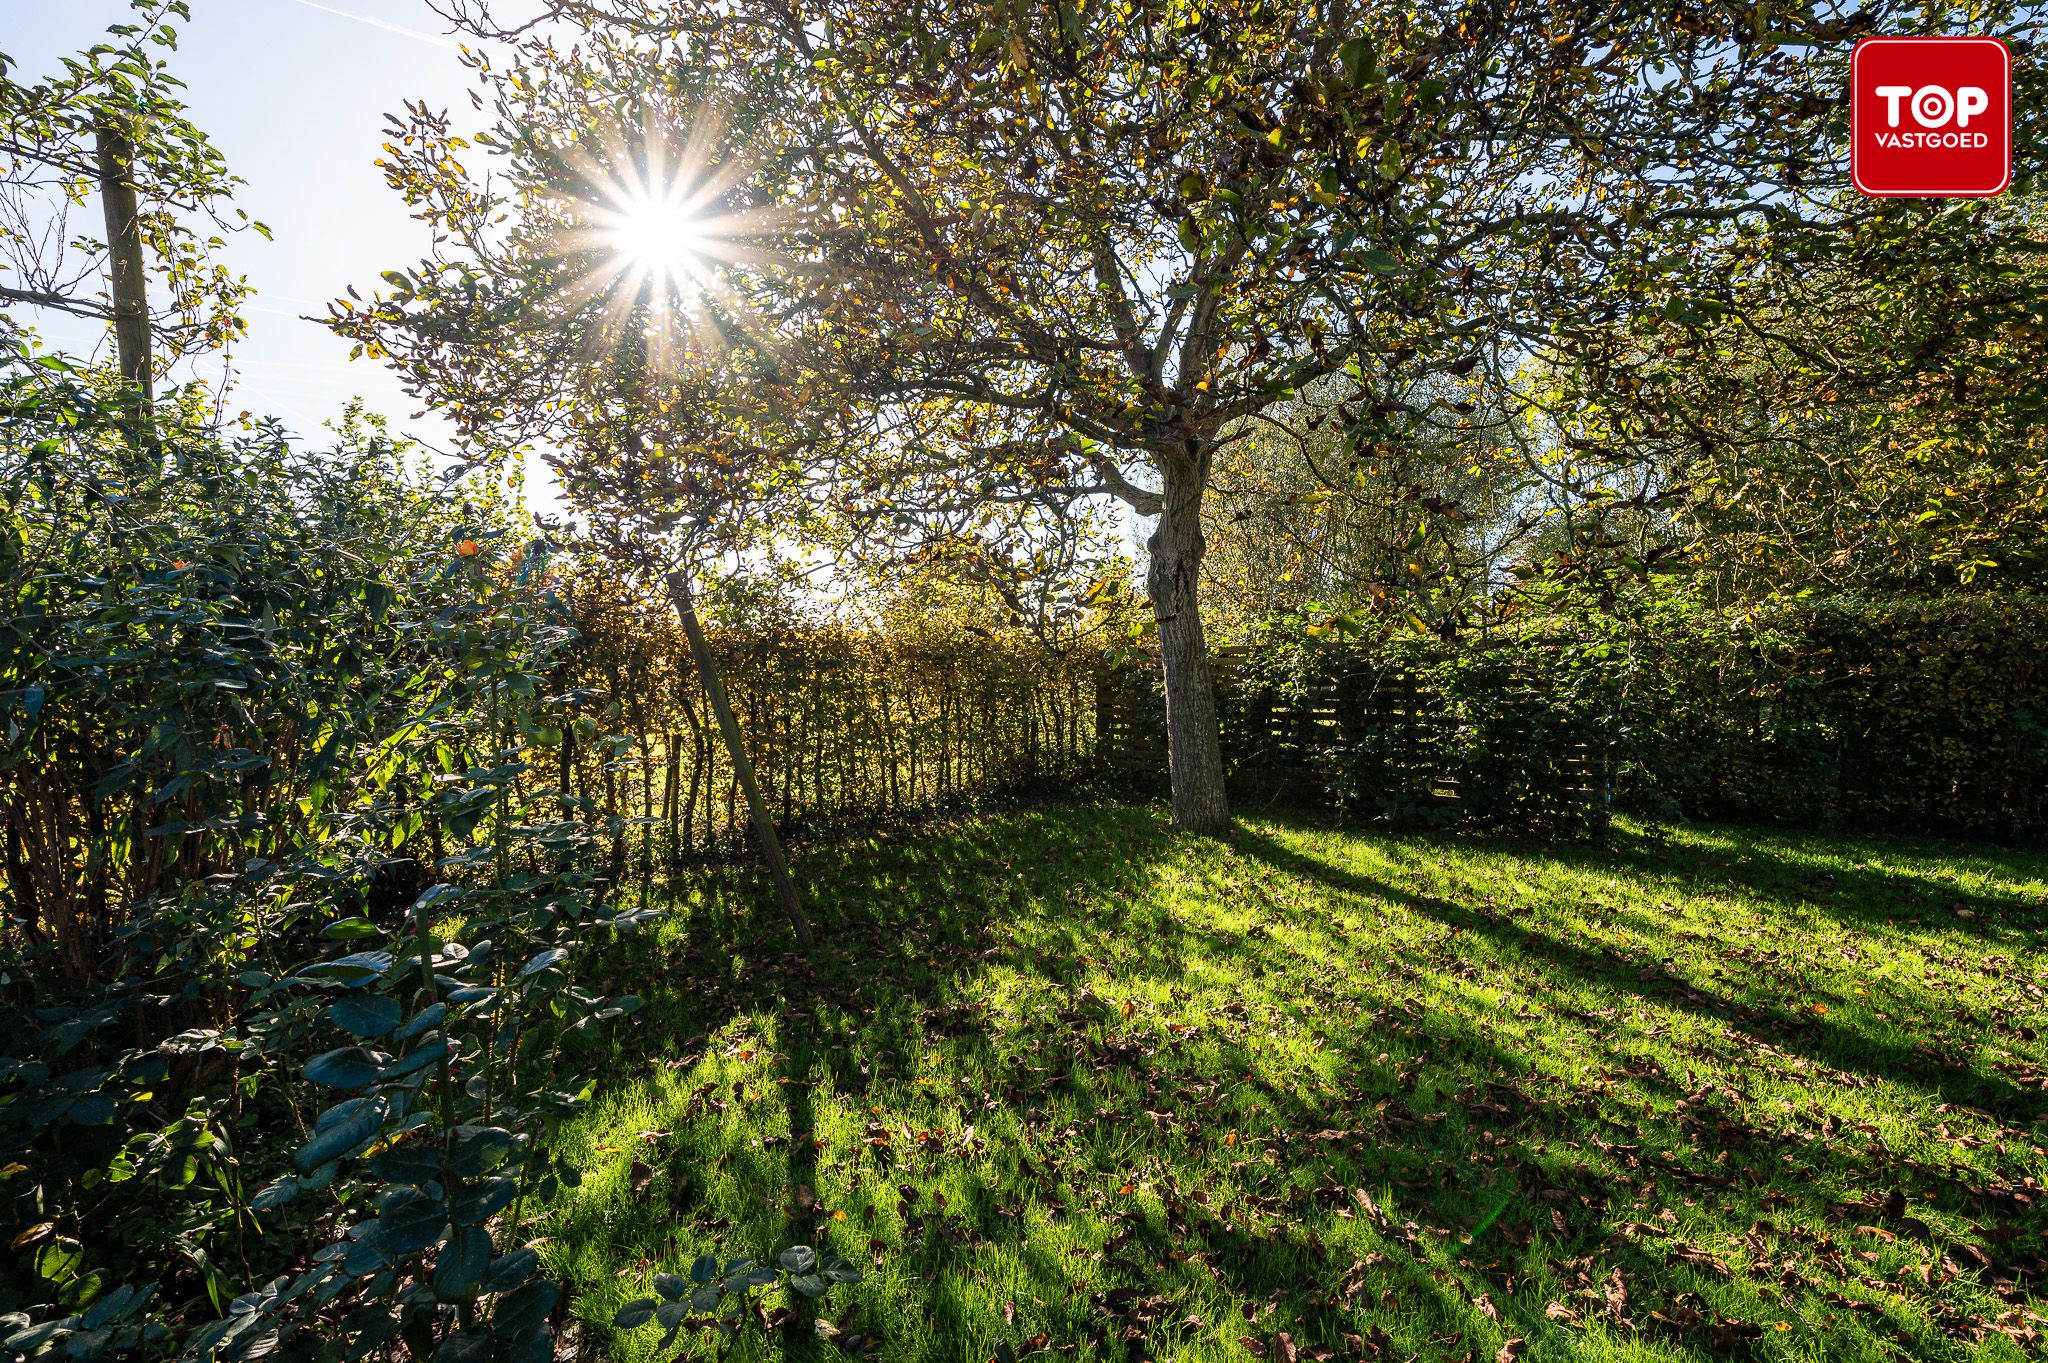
(1062, 1083)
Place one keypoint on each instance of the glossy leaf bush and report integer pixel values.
(292, 909)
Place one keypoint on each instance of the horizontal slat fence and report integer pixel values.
(1369, 734)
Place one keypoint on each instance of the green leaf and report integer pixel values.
(704, 1269)
(634, 1314)
(358, 968)
(482, 1200)
(525, 1309)
(340, 1131)
(479, 1151)
(799, 1259)
(544, 960)
(346, 1067)
(415, 1163)
(58, 1261)
(459, 1268)
(1356, 56)
(810, 1284)
(512, 1269)
(409, 1227)
(365, 1015)
(275, 1195)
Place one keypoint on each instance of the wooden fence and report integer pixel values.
(840, 723)
(1356, 730)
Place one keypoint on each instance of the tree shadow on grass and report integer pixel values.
(1086, 1088)
(1868, 881)
(1643, 974)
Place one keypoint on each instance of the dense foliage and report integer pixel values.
(1510, 730)
(873, 708)
(289, 904)
(1889, 713)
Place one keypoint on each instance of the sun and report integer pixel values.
(657, 236)
(661, 237)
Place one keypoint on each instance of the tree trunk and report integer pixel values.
(127, 276)
(742, 769)
(1194, 752)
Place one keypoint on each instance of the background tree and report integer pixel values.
(1303, 534)
(111, 126)
(1874, 428)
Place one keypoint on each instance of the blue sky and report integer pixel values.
(294, 94)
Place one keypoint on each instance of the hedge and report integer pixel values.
(1909, 715)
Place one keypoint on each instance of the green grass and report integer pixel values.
(1059, 1080)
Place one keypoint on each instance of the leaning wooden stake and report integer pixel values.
(729, 726)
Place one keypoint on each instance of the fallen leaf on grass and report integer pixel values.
(642, 1175)
(1511, 1350)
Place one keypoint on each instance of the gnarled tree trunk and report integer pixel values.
(1194, 752)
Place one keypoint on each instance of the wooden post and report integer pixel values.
(743, 770)
(127, 276)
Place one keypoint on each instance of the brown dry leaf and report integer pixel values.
(1511, 1350)
(33, 1234)
(1557, 1310)
(1617, 1295)
(642, 1175)
(1283, 1348)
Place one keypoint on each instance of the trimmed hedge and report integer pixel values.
(1908, 715)
(1927, 715)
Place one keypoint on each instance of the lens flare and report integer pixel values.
(658, 238)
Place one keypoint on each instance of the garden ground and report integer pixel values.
(1063, 1083)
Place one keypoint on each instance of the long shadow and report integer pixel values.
(1761, 861)
(1505, 1178)
(1840, 1047)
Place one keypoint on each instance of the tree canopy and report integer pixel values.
(965, 269)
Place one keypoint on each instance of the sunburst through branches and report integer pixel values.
(657, 236)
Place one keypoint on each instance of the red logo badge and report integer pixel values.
(1930, 118)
